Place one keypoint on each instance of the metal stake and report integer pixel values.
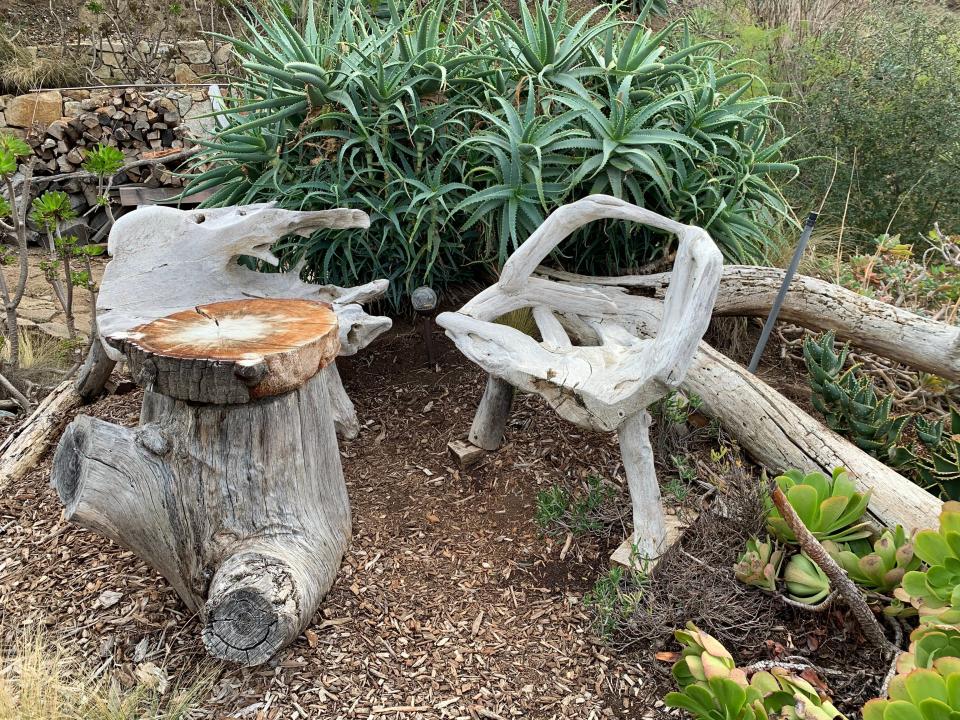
(787, 279)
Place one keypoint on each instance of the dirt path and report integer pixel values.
(449, 604)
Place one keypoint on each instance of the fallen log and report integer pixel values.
(21, 452)
(881, 328)
(776, 432)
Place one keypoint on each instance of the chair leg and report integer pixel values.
(491, 417)
(649, 526)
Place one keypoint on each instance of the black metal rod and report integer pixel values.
(781, 296)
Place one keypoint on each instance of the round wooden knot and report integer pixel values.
(234, 351)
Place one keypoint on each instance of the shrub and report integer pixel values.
(885, 86)
(459, 136)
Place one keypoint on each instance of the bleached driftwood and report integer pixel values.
(889, 331)
(777, 433)
(606, 386)
(22, 450)
(166, 260)
(231, 487)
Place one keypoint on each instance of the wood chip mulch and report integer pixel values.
(450, 602)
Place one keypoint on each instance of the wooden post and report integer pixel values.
(490, 420)
(649, 525)
(231, 487)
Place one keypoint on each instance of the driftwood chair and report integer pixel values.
(609, 376)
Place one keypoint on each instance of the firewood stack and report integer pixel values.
(128, 119)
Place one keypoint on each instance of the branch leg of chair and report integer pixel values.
(341, 406)
(490, 420)
(95, 371)
(649, 524)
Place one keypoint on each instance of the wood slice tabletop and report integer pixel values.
(234, 351)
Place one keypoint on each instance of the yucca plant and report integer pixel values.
(460, 135)
(831, 508)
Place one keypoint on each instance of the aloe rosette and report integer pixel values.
(831, 508)
(806, 582)
(922, 694)
(759, 565)
(935, 592)
(883, 569)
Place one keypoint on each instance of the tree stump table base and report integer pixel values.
(240, 505)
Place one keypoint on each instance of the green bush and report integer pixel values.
(459, 137)
(886, 87)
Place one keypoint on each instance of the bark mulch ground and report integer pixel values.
(451, 601)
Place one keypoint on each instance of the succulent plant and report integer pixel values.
(806, 582)
(703, 658)
(715, 689)
(936, 464)
(929, 643)
(759, 565)
(923, 694)
(883, 569)
(847, 401)
(935, 592)
(831, 508)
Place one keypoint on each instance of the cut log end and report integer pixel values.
(234, 351)
(253, 611)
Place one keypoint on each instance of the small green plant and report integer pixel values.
(579, 515)
(677, 407)
(850, 406)
(935, 591)
(805, 580)
(881, 570)
(831, 508)
(759, 565)
(613, 598)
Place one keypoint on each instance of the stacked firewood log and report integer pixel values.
(133, 121)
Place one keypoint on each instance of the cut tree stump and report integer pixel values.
(231, 487)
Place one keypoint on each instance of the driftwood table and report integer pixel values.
(231, 487)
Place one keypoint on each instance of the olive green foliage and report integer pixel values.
(102, 160)
(935, 591)
(851, 406)
(759, 565)
(459, 136)
(713, 688)
(886, 86)
(613, 599)
(880, 567)
(831, 507)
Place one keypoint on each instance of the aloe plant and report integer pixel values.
(882, 569)
(759, 565)
(935, 592)
(703, 658)
(458, 131)
(831, 508)
(806, 582)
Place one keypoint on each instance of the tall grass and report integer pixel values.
(40, 680)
